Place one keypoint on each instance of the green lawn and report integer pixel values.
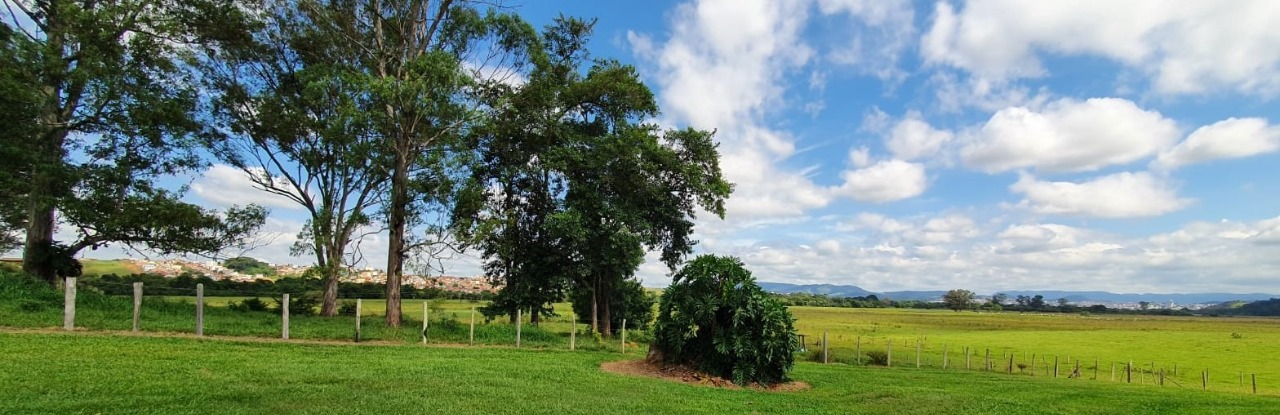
(93, 373)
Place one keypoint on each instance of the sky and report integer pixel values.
(987, 145)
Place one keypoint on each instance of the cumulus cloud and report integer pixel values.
(1226, 139)
(1120, 195)
(913, 138)
(1068, 136)
(1192, 48)
(884, 181)
(223, 185)
(723, 67)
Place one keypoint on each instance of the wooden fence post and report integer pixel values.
(624, 336)
(1055, 366)
(199, 310)
(573, 332)
(1255, 382)
(1095, 368)
(1129, 372)
(888, 354)
(471, 338)
(1241, 378)
(1010, 363)
(137, 307)
(945, 361)
(1204, 380)
(967, 366)
(917, 353)
(284, 317)
(69, 304)
(1113, 371)
(359, 303)
(1033, 364)
(825, 356)
(987, 360)
(1162, 377)
(519, 320)
(859, 351)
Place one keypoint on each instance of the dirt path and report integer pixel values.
(692, 377)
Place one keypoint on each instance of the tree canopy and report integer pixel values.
(105, 106)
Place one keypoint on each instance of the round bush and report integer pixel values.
(715, 318)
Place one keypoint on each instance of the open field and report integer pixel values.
(95, 373)
(109, 266)
(1224, 346)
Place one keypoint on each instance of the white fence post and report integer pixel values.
(137, 306)
(624, 336)
(199, 310)
(358, 304)
(69, 304)
(284, 317)
(573, 333)
(425, 319)
(519, 319)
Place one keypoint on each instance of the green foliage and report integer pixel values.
(249, 266)
(347, 308)
(715, 317)
(958, 299)
(877, 357)
(630, 301)
(110, 109)
(249, 304)
(304, 304)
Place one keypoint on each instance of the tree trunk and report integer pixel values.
(40, 223)
(534, 318)
(329, 307)
(595, 305)
(606, 321)
(396, 220)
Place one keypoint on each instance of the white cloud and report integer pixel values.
(223, 185)
(913, 138)
(724, 67)
(885, 181)
(880, 32)
(1120, 195)
(1192, 48)
(1226, 139)
(860, 157)
(1068, 136)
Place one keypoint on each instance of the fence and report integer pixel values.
(1054, 365)
(449, 327)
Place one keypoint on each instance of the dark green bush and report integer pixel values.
(347, 308)
(877, 357)
(715, 318)
(304, 304)
(250, 304)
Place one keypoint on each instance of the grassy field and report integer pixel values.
(1226, 347)
(109, 266)
(96, 373)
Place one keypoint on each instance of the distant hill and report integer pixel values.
(1049, 296)
(823, 289)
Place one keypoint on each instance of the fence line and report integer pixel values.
(1149, 374)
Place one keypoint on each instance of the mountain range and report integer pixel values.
(1049, 296)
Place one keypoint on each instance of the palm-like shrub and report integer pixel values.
(715, 318)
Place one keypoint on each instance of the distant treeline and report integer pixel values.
(1032, 304)
(185, 285)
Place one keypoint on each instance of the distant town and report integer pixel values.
(212, 269)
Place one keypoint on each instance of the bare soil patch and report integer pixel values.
(686, 375)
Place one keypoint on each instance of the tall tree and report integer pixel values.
(291, 111)
(115, 109)
(584, 183)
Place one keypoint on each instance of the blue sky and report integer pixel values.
(988, 145)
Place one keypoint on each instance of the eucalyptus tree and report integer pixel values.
(291, 113)
(113, 109)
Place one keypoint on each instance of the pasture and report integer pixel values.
(52, 372)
